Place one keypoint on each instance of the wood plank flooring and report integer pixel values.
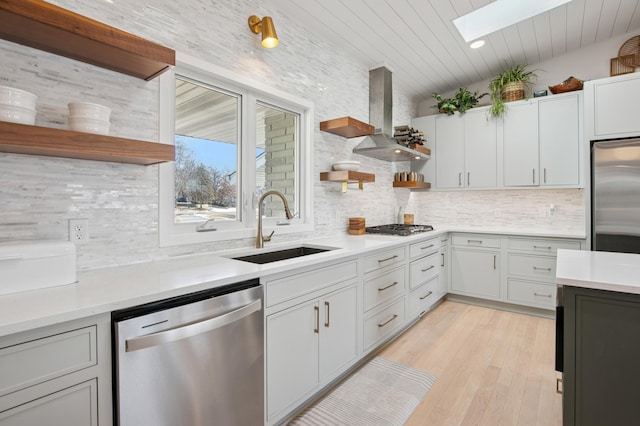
(493, 367)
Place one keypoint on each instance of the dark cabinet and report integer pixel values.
(601, 357)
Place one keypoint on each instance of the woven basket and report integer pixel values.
(513, 91)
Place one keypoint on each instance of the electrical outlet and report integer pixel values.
(79, 231)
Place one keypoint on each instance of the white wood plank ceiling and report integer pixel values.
(425, 51)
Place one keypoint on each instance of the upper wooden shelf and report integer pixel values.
(36, 140)
(43, 26)
(347, 127)
(348, 176)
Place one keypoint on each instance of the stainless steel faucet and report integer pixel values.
(260, 239)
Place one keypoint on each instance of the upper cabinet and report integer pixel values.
(520, 133)
(43, 26)
(610, 107)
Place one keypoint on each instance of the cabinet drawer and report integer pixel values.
(538, 267)
(421, 271)
(29, 363)
(542, 246)
(423, 297)
(384, 259)
(384, 323)
(383, 287)
(282, 289)
(475, 240)
(531, 293)
(424, 248)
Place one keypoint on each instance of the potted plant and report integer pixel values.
(462, 100)
(510, 85)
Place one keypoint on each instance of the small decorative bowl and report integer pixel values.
(346, 165)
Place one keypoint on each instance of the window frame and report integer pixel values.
(252, 92)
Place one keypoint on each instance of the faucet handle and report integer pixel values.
(267, 239)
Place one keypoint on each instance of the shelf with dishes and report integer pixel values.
(348, 176)
(35, 140)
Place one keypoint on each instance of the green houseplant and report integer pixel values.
(462, 100)
(509, 85)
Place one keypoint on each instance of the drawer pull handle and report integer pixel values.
(327, 309)
(535, 268)
(428, 269)
(494, 262)
(395, 256)
(442, 264)
(382, 324)
(389, 286)
(317, 325)
(426, 295)
(474, 241)
(427, 247)
(542, 247)
(559, 385)
(460, 179)
(542, 295)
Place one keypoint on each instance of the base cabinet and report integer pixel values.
(601, 353)
(475, 272)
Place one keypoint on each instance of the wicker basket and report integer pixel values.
(513, 91)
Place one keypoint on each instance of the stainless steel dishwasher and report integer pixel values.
(192, 360)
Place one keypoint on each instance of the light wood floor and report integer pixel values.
(493, 367)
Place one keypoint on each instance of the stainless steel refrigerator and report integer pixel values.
(615, 196)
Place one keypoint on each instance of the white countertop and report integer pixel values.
(599, 270)
(100, 291)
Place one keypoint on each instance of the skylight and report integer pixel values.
(501, 14)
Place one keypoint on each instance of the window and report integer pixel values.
(234, 141)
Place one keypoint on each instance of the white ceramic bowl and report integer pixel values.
(17, 97)
(89, 110)
(89, 125)
(346, 165)
(16, 114)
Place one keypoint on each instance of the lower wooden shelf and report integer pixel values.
(36, 140)
(347, 176)
(412, 184)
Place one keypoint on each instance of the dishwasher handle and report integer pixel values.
(190, 330)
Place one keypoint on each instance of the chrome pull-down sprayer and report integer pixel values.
(260, 239)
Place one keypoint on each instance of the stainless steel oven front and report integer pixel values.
(193, 360)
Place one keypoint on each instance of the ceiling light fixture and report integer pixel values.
(477, 44)
(501, 14)
(264, 26)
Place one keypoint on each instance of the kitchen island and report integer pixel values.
(601, 299)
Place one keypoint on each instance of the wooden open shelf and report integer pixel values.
(347, 176)
(43, 26)
(411, 184)
(420, 148)
(347, 127)
(36, 140)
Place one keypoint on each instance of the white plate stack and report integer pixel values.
(89, 118)
(17, 106)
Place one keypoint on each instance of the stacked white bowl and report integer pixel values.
(17, 106)
(89, 118)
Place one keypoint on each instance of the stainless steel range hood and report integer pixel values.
(381, 145)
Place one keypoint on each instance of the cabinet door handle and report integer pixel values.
(442, 264)
(545, 174)
(428, 269)
(535, 268)
(426, 295)
(389, 286)
(468, 178)
(542, 247)
(317, 326)
(427, 247)
(542, 295)
(533, 180)
(388, 258)
(559, 385)
(460, 179)
(327, 309)
(382, 324)
(494, 262)
(474, 241)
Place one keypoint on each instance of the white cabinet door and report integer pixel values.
(480, 150)
(443, 283)
(292, 355)
(449, 151)
(615, 107)
(559, 141)
(338, 331)
(521, 145)
(475, 272)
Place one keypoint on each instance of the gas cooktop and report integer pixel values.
(398, 229)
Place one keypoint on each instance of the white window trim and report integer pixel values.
(171, 234)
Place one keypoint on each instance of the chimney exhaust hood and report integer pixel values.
(381, 145)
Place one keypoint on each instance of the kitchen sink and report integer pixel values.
(274, 256)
